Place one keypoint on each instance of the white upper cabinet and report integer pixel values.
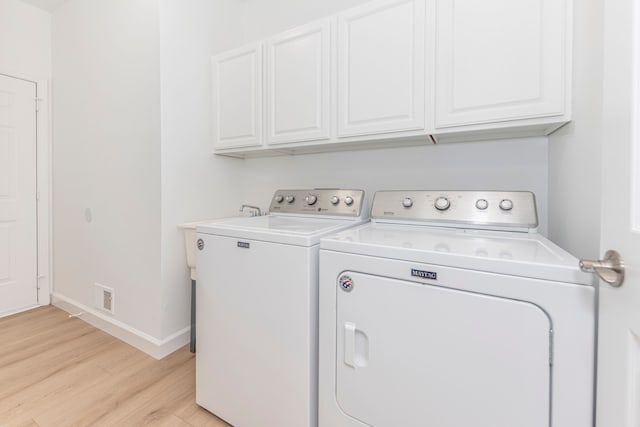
(381, 68)
(500, 60)
(237, 98)
(398, 72)
(298, 84)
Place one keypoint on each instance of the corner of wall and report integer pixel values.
(574, 150)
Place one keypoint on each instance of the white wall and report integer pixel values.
(514, 165)
(574, 151)
(132, 92)
(195, 184)
(25, 41)
(106, 156)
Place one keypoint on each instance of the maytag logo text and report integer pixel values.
(424, 274)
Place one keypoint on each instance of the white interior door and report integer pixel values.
(18, 240)
(619, 330)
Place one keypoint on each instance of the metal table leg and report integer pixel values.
(192, 344)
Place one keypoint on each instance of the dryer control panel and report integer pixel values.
(492, 210)
(319, 201)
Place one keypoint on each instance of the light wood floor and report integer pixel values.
(59, 372)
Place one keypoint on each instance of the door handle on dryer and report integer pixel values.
(349, 344)
(356, 346)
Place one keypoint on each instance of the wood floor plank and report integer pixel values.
(13, 326)
(20, 374)
(197, 416)
(173, 421)
(61, 401)
(57, 371)
(65, 386)
(107, 402)
(27, 423)
(39, 343)
(171, 387)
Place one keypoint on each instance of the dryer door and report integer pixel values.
(411, 354)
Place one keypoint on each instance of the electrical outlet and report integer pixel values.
(104, 298)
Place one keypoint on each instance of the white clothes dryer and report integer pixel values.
(257, 308)
(449, 310)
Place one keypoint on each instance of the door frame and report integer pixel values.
(43, 187)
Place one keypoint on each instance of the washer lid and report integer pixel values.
(519, 254)
(293, 230)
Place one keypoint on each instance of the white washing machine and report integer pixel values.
(448, 310)
(257, 308)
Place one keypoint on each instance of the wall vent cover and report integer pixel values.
(104, 298)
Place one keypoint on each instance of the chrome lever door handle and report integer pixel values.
(610, 269)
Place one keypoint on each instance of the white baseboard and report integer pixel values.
(152, 346)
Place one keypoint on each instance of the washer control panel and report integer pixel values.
(319, 201)
(471, 209)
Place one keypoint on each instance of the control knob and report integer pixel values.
(348, 200)
(290, 199)
(311, 199)
(334, 200)
(506, 204)
(482, 204)
(279, 198)
(407, 202)
(442, 203)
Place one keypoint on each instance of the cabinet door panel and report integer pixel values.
(237, 98)
(499, 60)
(381, 74)
(298, 66)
